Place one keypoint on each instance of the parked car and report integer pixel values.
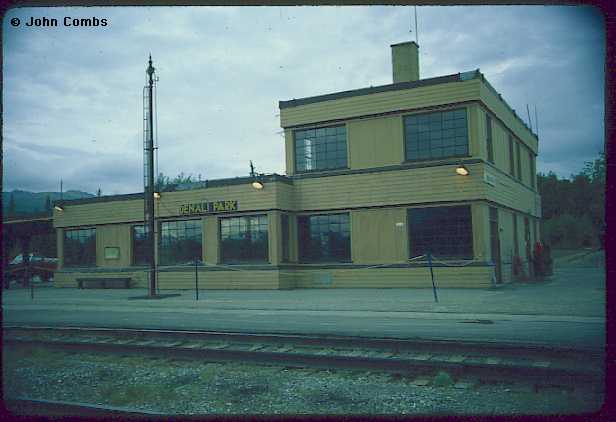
(39, 267)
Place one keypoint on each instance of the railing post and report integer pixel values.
(196, 281)
(432, 276)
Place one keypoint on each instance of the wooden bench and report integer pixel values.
(104, 283)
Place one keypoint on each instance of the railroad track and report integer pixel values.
(534, 365)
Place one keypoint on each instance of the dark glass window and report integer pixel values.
(284, 232)
(533, 171)
(489, 139)
(511, 157)
(436, 135)
(140, 247)
(80, 248)
(180, 242)
(519, 162)
(244, 239)
(324, 238)
(446, 232)
(320, 149)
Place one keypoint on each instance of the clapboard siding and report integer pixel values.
(121, 211)
(496, 106)
(473, 277)
(381, 102)
(418, 185)
(511, 193)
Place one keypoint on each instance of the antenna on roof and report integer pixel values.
(530, 122)
(416, 32)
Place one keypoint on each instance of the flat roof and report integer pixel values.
(371, 90)
(231, 181)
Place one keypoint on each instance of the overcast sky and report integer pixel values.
(73, 95)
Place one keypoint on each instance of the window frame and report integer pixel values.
(489, 138)
(285, 226)
(243, 260)
(427, 115)
(70, 263)
(133, 248)
(468, 254)
(511, 157)
(334, 150)
(161, 240)
(306, 256)
(518, 153)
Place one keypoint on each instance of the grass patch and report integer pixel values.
(442, 379)
(137, 394)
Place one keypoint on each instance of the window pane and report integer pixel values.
(317, 149)
(324, 238)
(180, 242)
(436, 135)
(446, 232)
(247, 240)
(80, 248)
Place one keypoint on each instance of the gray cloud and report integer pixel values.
(72, 96)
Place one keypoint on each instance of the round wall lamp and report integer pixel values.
(257, 184)
(58, 208)
(156, 195)
(462, 170)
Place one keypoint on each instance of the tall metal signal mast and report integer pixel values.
(148, 174)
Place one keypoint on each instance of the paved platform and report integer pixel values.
(568, 309)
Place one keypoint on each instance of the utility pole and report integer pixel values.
(148, 191)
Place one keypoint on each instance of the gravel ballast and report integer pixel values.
(173, 386)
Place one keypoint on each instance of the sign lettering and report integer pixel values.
(208, 207)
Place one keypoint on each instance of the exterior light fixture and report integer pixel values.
(58, 208)
(462, 170)
(156, 195)
(257, 185)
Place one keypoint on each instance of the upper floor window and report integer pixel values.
(489, 140)
(140, 246)
(180, 242)
(446, 232)
(324, 238)
(533, 170)
(244, 239)
(519, 162)
(511, 157)
(80, 248)
(436, 135)
(320, 148)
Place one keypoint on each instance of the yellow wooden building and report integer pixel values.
(376, 179)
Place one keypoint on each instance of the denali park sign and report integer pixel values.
(208, 207)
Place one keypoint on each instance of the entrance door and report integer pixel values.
(495, 253)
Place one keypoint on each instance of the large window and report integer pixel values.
(140, 247)
(489, 140)
(511, 157)
(519, 162)
(533, 171)
(284, 232)
(180, 242)
(324, 238)
(244, 239)
(446, 232)
(80, 248)
(320, 149)
(436, 135)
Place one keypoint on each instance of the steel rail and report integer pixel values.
(300, 351)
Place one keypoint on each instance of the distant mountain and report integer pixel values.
(34, 202)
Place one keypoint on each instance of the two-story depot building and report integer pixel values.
(375, 178)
